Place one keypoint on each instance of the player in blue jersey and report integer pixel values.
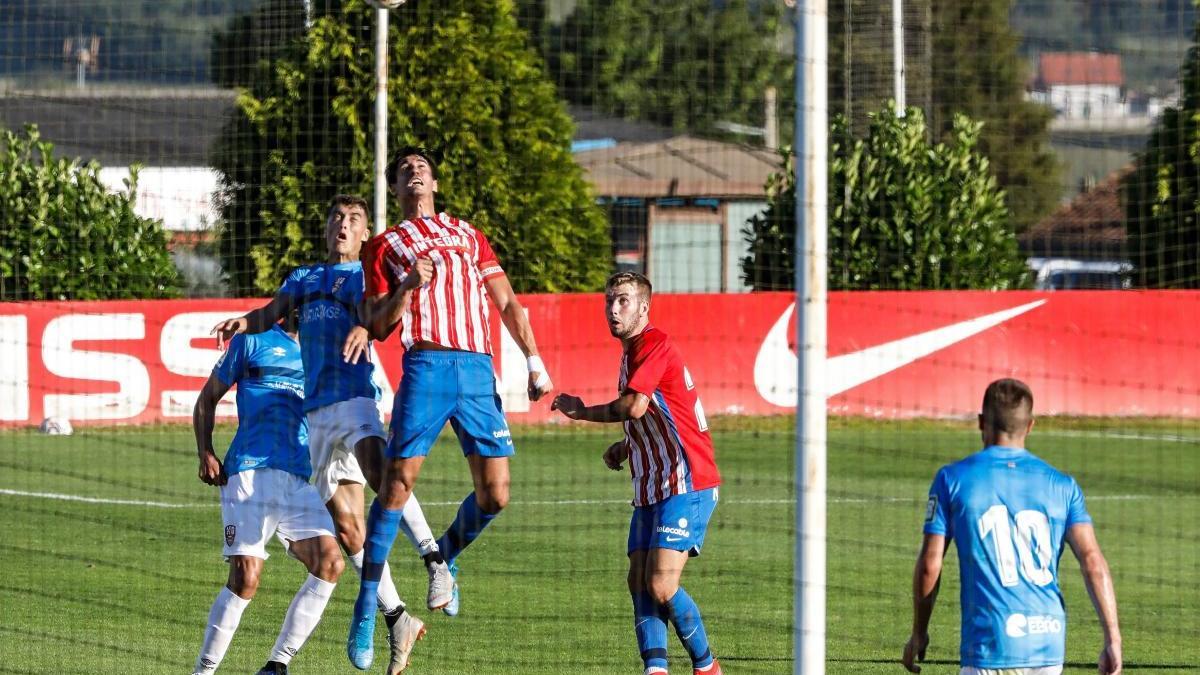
(1009, 513)
(346, 434)
(264, 492)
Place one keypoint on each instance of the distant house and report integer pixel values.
(1081, 85)
(1089, 227)
(678, 207)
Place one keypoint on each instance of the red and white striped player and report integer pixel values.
(434, 276)
(674, 469)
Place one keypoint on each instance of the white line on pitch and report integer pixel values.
(1121, 436)
(101, 500)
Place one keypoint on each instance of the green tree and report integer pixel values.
(66, 237)
(904, 213)
(961, 56)
(1162, 193)
(252, 40)
(976, 71)
(463, 81)
(685, 65)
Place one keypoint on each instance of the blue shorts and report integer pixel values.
(456, 386)
(678, 523)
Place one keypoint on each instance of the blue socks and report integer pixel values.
(468, 524)
(382, 526)
(690, 628)
(650, 624)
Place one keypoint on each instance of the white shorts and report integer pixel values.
(1043, 670)
(333, 431)
(259, 503)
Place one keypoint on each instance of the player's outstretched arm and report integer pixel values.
(203, 419)
(927, 576)
(1098, 579)
(512, 315)
(255, 321)
(628, 406)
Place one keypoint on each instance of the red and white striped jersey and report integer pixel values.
(670, 449)
(452, 309)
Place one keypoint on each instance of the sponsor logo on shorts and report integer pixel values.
(1018, 625)
(230, 533)
(365, 427)
(502, 433)
(673, 530)
(278, 351)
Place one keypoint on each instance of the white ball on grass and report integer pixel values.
(56, 426)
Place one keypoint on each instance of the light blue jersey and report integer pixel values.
(1008, 513)
(272, 430)
(328, 297)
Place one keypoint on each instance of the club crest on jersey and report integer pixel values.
(230, 533)
(337, 284)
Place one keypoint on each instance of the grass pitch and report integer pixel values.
(122, 583)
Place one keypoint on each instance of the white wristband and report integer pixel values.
(535, 365)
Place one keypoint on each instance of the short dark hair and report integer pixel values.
(393, 165)
(1007, 406)
(645, 290)
(347, 200)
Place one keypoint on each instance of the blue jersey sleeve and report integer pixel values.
(937, 509)
(292, 287)
(1077, 513)
(232, 365)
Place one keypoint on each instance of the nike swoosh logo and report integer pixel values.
(776, 366)
(672, 539)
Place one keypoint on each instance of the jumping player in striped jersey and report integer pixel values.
(346, 434)
(433, 276)
(674, 469)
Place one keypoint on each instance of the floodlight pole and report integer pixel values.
(812, 56)
(898, 74)
(381, 107)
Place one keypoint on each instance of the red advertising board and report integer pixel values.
(891, 354)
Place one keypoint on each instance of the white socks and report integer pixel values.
(389, 599)
(302, 618)
(416, 528)
(223, 621)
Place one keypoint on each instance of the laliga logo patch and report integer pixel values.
(230, 532)
(930, 508)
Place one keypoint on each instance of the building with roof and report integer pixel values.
(677, 204)
(678, 207)
(1081, 84)
(1089, 227)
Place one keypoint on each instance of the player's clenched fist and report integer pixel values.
(228, 328)
(616, 454)
(418, 275)
(571, 406)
